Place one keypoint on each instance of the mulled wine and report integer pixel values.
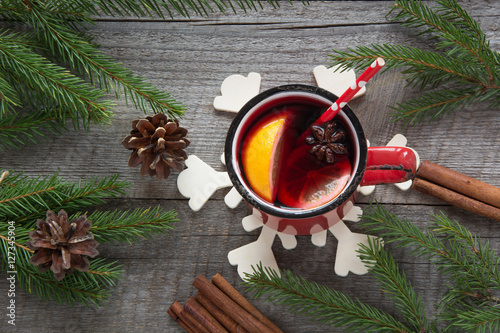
(287, 168)
(283, 167)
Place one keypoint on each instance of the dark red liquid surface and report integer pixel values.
(303, 182)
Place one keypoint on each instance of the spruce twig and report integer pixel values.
(458, 259)
(462, 70)
(87, 288)
(51, 72)
(471, 304)
(394, 282)
(102, 70)
(16, 129)
(130, 226)
(23, 200)
(471, 266)
(52, 81)
(326, 305)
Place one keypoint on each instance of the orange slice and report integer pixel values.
(263, 146)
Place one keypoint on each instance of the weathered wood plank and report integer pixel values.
(190, 58)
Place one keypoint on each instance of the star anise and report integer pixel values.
(328, 141)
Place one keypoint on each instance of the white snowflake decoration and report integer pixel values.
(199, 182)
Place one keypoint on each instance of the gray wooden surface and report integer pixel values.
(190, 58)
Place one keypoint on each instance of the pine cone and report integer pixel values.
(62, 245)
(158, 144)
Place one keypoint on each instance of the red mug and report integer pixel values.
(370, 165)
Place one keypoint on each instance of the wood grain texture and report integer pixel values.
(190, 58)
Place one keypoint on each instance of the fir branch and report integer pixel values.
(435, 104)
(462, 71)
(87, 288)
(425, 68)
(53, 82)
(130, 226)
(36, 64)
(461, 294)
(93, 191)
(385, 269)
(323, 304)
(472, 268)
(22, 195)
(468, 37)
(75, 17)
(183, 7)
(480, 252)
(450, 260)
(452, 12)
(18, 129)
(102, 70)
(25, 199)
(472, 319)
(11, 241)
(8, 97)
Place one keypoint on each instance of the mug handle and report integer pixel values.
(387, 165)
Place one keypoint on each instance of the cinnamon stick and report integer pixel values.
(193, 322)
(203, 316)
(220, 315)
(460, 183)
(174, 312)
(456, 199)
(179, 321)
(226, 304)
(230, 291)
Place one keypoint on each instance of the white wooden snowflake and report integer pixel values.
(199, 182)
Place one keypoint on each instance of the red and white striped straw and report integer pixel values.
(351, 91)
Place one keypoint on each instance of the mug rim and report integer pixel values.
(269, 208)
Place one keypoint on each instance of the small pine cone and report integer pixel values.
(61, 245)
(157, 143)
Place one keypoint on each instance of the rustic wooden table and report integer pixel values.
(190, 58)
